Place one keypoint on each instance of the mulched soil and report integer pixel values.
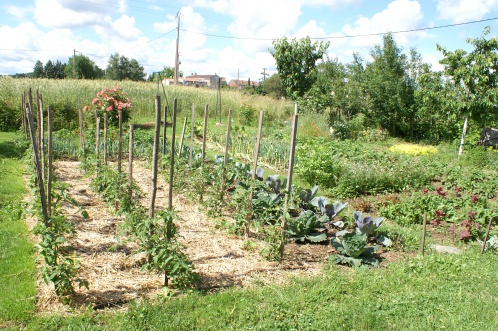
(114, 271)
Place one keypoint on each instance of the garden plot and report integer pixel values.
(113, 270)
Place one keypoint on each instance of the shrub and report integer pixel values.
(10, 118)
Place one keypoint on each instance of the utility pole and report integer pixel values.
(74, 64)
(264, 74)
(177, 61)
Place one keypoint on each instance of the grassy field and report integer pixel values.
(17, 269)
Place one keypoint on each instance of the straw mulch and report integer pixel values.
(114, 271)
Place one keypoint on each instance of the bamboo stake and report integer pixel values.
(254, 169)
(155, 155)
(182, 137)
(120, 140)
(424, 230)
(289, 180)
(204, 131)
(50, 157)
(106, 123)
(130, 164)
(487, 234)
(192, 127)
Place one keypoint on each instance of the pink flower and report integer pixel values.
(474, 199)
(110, 108)
(85, 108)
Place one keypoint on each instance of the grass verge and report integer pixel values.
(436, 292)
(17, 267)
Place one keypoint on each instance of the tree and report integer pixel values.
(84, 67)
(474, 76)
(296, 61)
(38, 69)
(59, 70)
(388, 87)
(121, 68)
(48, 71)
(272, 86)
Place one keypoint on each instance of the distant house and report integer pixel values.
(239, 83)
(197, 80)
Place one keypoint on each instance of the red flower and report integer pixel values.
(474, 199)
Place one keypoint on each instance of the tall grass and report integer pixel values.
(68, 91)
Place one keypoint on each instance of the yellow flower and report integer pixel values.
(412, 149)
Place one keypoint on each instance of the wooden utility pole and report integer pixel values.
(177, 60)
(264, 74)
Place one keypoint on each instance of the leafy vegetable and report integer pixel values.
(307, 227)
(366, 225)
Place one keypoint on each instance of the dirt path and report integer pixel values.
(113, 271)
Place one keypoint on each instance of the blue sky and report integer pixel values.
(228, 37)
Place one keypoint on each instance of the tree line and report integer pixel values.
(393, 91)
(79, 66)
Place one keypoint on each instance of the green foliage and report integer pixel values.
(247, 114)
(81, 66)
(353, 250)
(61, 266)
(296, 61)
(307, 227)
(121, 68)
(10, 117)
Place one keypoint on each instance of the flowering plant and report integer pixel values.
(111, 101)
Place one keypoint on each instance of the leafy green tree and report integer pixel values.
(296, 61)
(272, 86)
(389, 89)
(121, 68)
(48, 70)
(474, 76)
(38, 69)
(84, 67)
(59, 70)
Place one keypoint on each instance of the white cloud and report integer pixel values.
(18, 13)
(459, 11)
(68, 14)
(331, 3)
(399, 15)
(122, 29)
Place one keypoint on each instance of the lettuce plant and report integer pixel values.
(307, 227)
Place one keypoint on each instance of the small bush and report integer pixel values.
(10, 118)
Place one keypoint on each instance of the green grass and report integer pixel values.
(17, 268)
(435, 292)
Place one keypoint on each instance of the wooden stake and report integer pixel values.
(487, 234)
(80, 122)
(172, 158)
(182, 137)
(204, 132)
(106, 123)
(36, 157)
(227, 142)
(130, 164)
(41, 134)
(50, 156)
(97, 142)
(155, 155)
(254, 169)
(120, 140)
(424, 230)
(192, 128)
(289, 181)
(164, 128)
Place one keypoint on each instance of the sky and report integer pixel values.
(230, 38)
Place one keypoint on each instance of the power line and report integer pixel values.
(351, 36)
